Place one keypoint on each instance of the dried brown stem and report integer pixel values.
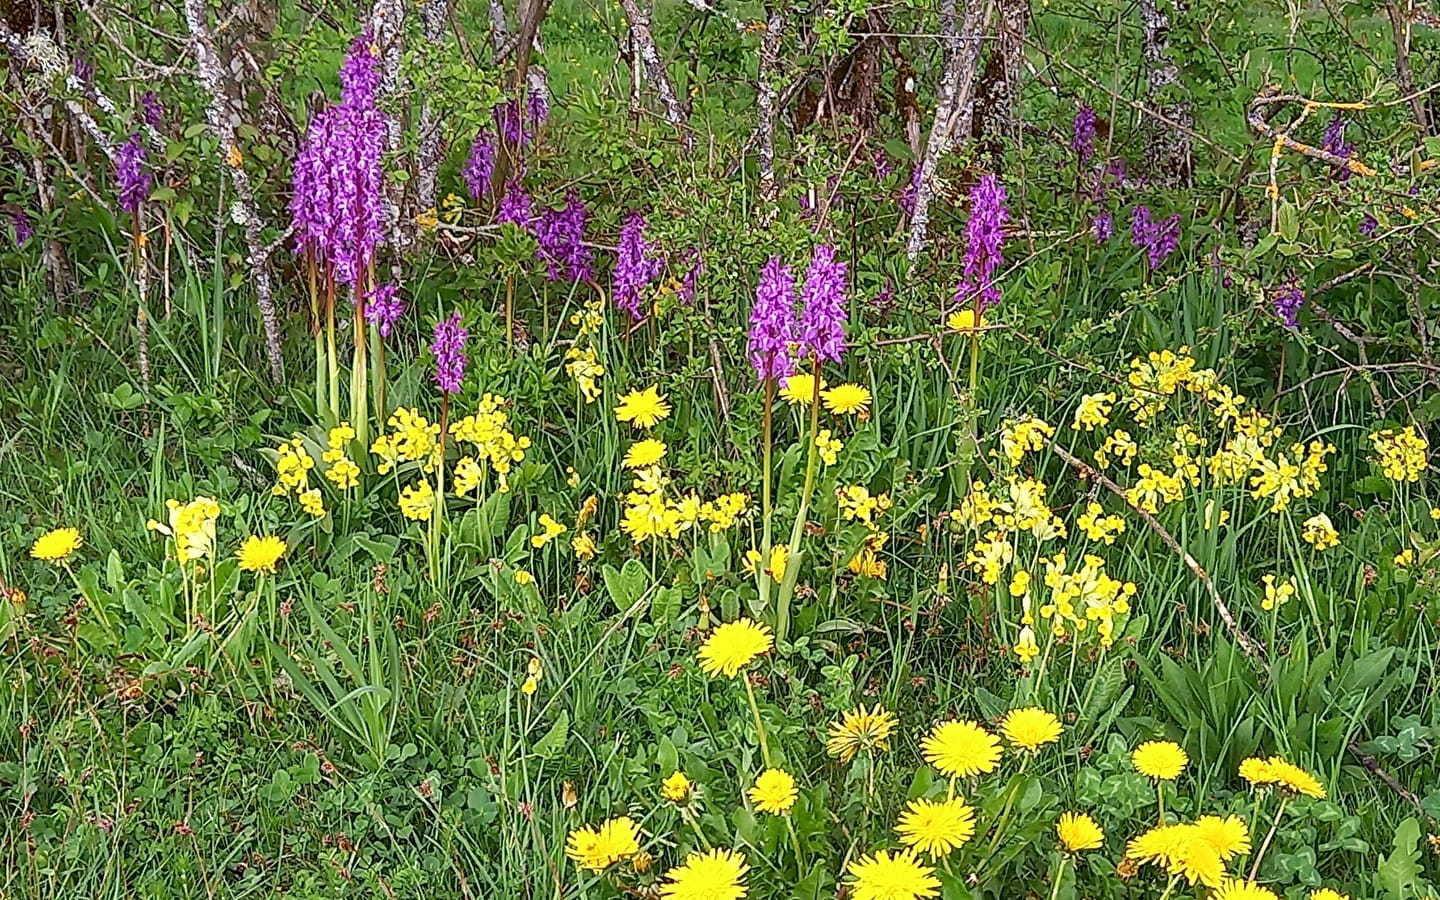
(1249, 645)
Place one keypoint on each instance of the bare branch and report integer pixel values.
(207, 66)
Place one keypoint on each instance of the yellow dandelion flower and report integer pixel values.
(1229, 836)
(583, 546)
(845, 399)
(1077, 832)
(963, 321)
(596, 849)
(676, 788)
(1328, 894)
(774, 792)
(733, 646)
(936, 828)
(644, 453)
(961, 749)
(717, 874)
(1237, 889)
(642, 409)
(1161, 760)
(57, 545)
(1291, 778)
(800, 388)
(260, 554)
(861, 729)
(887, 876)
(1030, 728)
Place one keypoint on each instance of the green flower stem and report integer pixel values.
(759, 725)
(1269, 836)
(99, 610)
(689, 816)
(318, 332)
(359, 382)
(1059, 871)
(332, 356)
(794, 841)
(1170, 887)
(797, 531)
(762, 569)
(1160, 799)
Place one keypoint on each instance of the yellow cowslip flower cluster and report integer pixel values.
(1118, 447)
(829, 447)
(1098, 526)
(1319, 532)
(1155, 379)
(989, 557)
(650, 515)
(1025, 436)
(1086, 595)
(417, 501)
(1276, 594)
(191, 526)
(1156, 488)
(583, 365)
(412, 438)
(1025, 510)
(1292, 475)
(1093, 412)
(1235, 459)
(488, 428)
(292, 468)
(342, 471)
(857, 504)
(1403, 455)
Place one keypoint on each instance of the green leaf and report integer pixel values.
(626, 585)
(195, 131)
(554, 740)
(1288, 222)
(1397, 875)
(665, 608)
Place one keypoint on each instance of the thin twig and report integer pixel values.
(1249, 645)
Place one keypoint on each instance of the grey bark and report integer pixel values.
(767, 93)
(649, 57)
(1170, 152)
(433, 17)
(954, 106)
(207, 67)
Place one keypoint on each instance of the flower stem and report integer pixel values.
(1160, 799)
(1059, 871)
(762, 570)
(793, 560)
(759, 725)
(1269, 836)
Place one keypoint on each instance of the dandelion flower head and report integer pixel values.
(718, 874)
(1161, 760)
(57, 545)
(1030, 728)
(936, 828)
(961, 749)
(733, 646)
